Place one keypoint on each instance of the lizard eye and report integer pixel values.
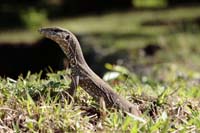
(67, 37)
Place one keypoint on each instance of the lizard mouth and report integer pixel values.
(43, 30)
(47, 32)
(51, 33)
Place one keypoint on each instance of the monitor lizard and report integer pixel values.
(81, 74)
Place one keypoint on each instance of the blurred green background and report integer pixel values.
(137, 34)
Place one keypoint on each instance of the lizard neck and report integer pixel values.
(73, 52)
(78, 53)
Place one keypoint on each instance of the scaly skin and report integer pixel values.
(82, 75)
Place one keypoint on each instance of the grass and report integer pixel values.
(168, 95)
(39, 105)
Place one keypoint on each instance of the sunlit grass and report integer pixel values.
(39, 105)
(126, 22)
(17, 36)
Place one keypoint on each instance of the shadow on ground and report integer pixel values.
(19, 58)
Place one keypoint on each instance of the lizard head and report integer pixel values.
(66, 40)
(56, 34)
(63, 37)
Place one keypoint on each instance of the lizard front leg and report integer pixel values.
(73, 86)
(74, 82)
